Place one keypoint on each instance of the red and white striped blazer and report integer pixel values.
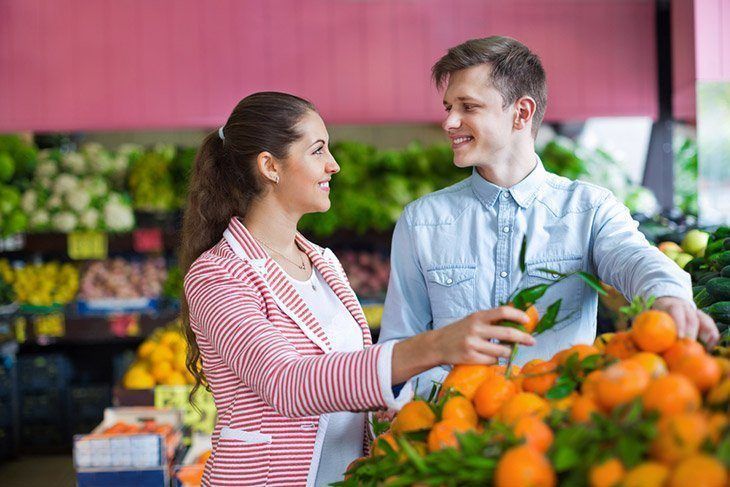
(269, 364)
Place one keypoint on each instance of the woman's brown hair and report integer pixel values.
(225, 180)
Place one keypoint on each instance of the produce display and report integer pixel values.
(119, 278)
(636, 408)
(81, 190)
(17, 162)
(693, 245)
(368, 272)
(191, 475)
(47, 284)
(158, 178)
(711, 277)
(160, 360)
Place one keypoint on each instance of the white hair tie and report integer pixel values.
(220, 133)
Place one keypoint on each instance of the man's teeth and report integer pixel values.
(459, 140)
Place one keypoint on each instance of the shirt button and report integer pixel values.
(505, 195)
(449, 281)
(503, 274)
(505, 229)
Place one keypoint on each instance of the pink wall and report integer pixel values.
(712, 27)
(684, 101)
(121, 64)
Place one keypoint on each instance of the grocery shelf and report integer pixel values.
(91, 330)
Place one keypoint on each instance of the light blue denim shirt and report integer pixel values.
(456, 251)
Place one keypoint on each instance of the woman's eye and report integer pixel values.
(468, 107)
(320, 150)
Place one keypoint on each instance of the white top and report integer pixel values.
(343, 439)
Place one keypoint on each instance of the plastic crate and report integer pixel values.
(47, 406)
(153, 477)
(7, 411)
(43, 372)
(89, 402)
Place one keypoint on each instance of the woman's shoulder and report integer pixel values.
(218, 260)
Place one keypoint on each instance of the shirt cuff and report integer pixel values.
(385, 376)
(670, 290)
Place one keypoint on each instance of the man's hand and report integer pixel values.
(691, 323)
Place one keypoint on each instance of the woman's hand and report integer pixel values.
(467, 341)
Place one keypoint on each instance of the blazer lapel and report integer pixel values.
(284, 294)
(327, 265)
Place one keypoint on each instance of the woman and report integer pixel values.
(284, 344)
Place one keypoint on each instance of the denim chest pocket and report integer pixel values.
(452, 290)
(569, 290)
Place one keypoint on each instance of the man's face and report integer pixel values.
(476, 124)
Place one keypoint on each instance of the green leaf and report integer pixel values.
(561, 390)
(523, 251)
(548, 319)
(723, 451)
(591, 362)
(413, 455)
(592, 281)
(527, 297)
(565, 458)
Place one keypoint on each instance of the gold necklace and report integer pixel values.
(301, 266)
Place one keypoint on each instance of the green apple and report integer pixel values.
(695, 242)
(683, 259)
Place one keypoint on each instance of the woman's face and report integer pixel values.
(308, 168)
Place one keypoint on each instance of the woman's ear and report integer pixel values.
(267, 166)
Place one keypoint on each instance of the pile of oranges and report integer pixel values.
(681, 390)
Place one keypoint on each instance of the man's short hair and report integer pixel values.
(516, 71)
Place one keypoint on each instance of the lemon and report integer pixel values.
(175, 379)
(138, 378)
(145, 349)
(161, 371)
(161, 354)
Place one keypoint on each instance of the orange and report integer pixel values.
(588, 388)
(684, 347)
(699, 471)
(539, 376)
(490, 396)
(523, 404)
(602, 340)
(443, 433)
(580, 349)
(565, 403)
(524, 466)
(583, 408)
(378, 449)
(671, 394)
(535, 432)
(461, 408)
(678, 436)
(647, 474)
(654, 331)
(703, 370)
(466, 379)
(534, 319)
(414, 416)
(724, 364)
(620, 384)
(607, 474)
(652, 362)
(716, 424)
(720, 394)
(621, 346)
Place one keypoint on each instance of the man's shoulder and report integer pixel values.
(440, 207)
(563, 195)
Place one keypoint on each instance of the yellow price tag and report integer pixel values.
(20, 324)
(176, 397)
(88, 245)
(50, 325)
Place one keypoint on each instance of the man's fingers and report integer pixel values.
(508, 334)
(503, 313)
(692, 324)
(680, 319)
(708, 332)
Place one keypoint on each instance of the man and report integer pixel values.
(456, 251)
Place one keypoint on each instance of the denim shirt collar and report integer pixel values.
(523, 192)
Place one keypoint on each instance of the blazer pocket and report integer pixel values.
(569, 290)
(451, 289)
(247, 437)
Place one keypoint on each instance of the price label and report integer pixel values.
(19, 326)
(124, 325)
(88, 245)
(52, 325)
(176, 397)
(147, 240)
